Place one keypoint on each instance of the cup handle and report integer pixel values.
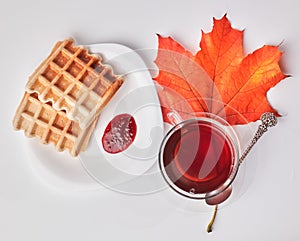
(174, 117)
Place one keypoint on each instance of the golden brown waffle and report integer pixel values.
(74, 81)
(51, 126)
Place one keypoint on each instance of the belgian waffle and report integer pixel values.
(39, 119)
(74, 81)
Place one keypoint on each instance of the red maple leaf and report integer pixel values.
(219, 79)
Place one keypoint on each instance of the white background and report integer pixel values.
(31, 210)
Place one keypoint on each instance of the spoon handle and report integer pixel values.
(268, 120)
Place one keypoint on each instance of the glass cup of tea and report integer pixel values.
(199, 157)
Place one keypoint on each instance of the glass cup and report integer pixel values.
(199, 157)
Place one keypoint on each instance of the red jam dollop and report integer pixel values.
(119, 133)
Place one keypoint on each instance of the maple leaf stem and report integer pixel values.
(209, 226)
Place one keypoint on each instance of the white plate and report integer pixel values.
(59, 170)
(137, 97)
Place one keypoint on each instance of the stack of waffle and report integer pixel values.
(64, 97)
